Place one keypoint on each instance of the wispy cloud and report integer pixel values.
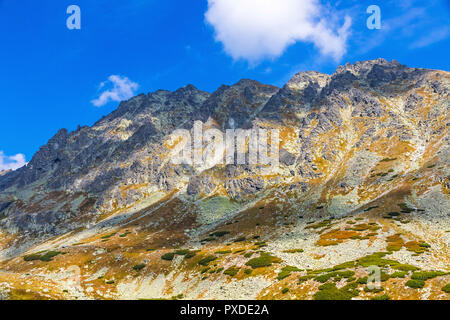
(254, 30)
(435, 36)
(122, 89)
(11, 162)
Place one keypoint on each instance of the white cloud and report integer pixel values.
(257, 29)
(11, 162)
(431, 38)
(123, 89)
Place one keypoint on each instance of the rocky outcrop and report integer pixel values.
(124, 158)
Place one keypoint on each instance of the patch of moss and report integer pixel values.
(337, 275)
(381, 298)
(168, 256)
(388, 159)
(416, 284)
(376, 259)
(123, 235)
(205, 270)
(394, 214)
(205, 261)
(223, 251)
(399, 274)
(285, 290)
(329, 291)
(286, 272)
(426, 275)
(405, 267)
(362, 280)
(319, 225)
(265, 260)
(248, 271)
(240, 239)
(219, 234)
(182, 252)
(248, 255)
(345, 265)
(446, 288)
(374, 289)
(232, 271)
(178, 297)
(405, 208)
(302, 279)
(109, 235)
(139, 267)
(46, 257)
(294, 251)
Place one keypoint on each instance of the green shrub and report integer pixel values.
(285, 290)
(205, 270)
(232, 271)
(416, 284)
(294, 251)
(283, 275)
(223, 252)
(329, 291)
(109, 235)
(374, 290)
(286, 272)
(139, 267)
(336, 275)
(123, 235)
(399, 274)
(376, 259)
(168, 256)
(190, 254)
(248, 271)
(363, 280)
(405, 267)
(182, 252)
(207, 260)
(219, 234)
(265, 260)
(446, 288)
(302, 279)
(426, 275)
(382, 297)
(44, 257)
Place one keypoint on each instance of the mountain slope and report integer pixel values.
(364, 168)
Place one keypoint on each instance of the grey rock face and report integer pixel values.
(235, 106)
(237, 188)
(286, 158)
(127, 147)
(199, 185)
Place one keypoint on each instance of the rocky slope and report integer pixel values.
(363, 176)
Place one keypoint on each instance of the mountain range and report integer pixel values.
(363, 180)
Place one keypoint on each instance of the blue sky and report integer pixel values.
(52, 76)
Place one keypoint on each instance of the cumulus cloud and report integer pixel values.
(257, 29)
(11, 162)
(122, 89)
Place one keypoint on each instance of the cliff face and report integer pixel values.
(372, 136)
